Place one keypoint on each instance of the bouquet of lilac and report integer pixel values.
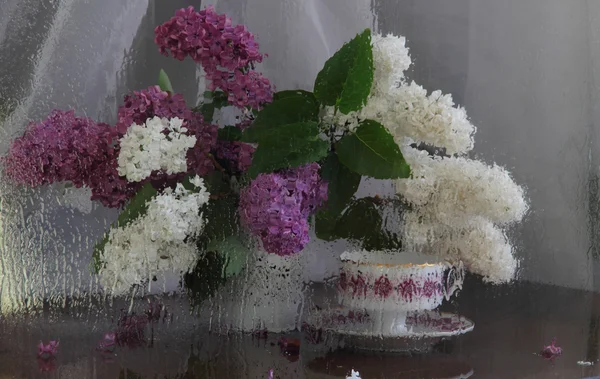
(196, 196)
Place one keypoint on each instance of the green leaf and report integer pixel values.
(222, 254)
(372, 151)
(345, 80)
(97, 262)
(207, 110)
(300, 107)
(288, 134)
(287, 146)
(342, 184)
(325, 223)
(363, 223)
(265, 160)
(230, 133)
(222, 220)
(235, 252)
(164, 82)
(355, 222)
(291, 93)
(136, 208)
(206, 278)
(138, 205)
(294, 108)
(217, 183)
(220, 99)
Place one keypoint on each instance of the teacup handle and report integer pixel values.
(457, 274)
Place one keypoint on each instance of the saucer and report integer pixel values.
(414, 331)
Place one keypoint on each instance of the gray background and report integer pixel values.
(525, 70)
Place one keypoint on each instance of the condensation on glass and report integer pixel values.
(526, 72)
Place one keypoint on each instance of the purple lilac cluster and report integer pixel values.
(237, 154)
(198, 158)
(47, 355)
(243, 89)
(107, 186)
(227, 53)
(48, 351)
(142, 105)
(209, 38)
(551, 352)
(62, 147)
(113, 190)
(66, 148)
(276, 207)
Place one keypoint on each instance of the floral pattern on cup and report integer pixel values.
(383, 287)
(377, 283)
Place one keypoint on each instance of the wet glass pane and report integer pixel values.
(391, 277)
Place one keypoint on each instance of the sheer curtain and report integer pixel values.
(530, 85)
(66, 54)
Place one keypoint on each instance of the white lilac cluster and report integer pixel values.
(478, 243)
(458, 205)
(456, 188)
(159, 144)
(390, 56)
(354, 375)
(458, 208)
(161, 241)
(405, 109)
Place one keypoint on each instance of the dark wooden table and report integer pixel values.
(512, 324)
